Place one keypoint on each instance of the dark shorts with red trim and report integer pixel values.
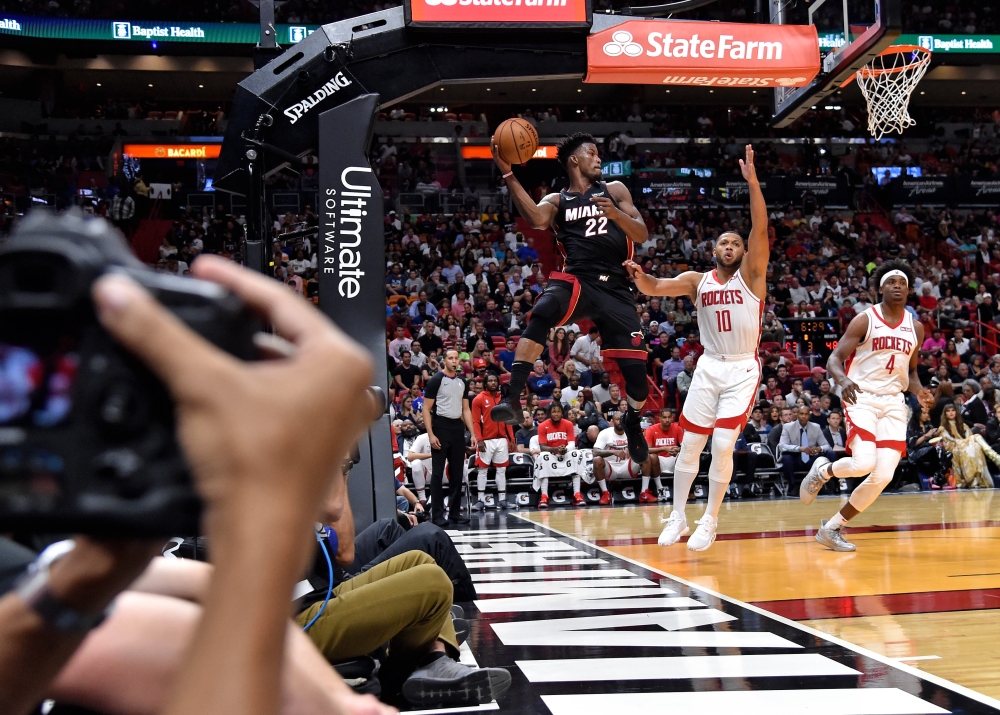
(569, 298)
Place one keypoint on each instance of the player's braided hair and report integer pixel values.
(894, 265)
(569, 145)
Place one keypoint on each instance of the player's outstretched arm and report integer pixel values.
(847, 345)
(539, 215)
(684, 284)
(759, 249)
(625, 214)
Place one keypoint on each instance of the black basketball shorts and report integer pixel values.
(569, 298)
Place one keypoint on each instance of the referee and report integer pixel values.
(446, 417)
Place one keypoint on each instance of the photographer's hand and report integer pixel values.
(86, 579)
(262, 462)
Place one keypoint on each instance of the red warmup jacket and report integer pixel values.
(485, 427)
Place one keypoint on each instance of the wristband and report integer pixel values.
(508, 174)
(33, 588)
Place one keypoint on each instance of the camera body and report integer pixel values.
(87, 433)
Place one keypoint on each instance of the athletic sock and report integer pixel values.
(545, 485)
(421, 495)
(658, 482)
(836, 522)
(576, 484)
(502, 496)
(603, 484)
(519, 372)
(482, 497)
(716, 493)
(682, 487)
(645, 483)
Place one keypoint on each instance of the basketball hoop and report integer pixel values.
(887, 82)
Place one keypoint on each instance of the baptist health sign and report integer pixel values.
(959, 43)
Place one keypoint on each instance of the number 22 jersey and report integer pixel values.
(593, 245)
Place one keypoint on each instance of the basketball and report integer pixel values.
(516, 140)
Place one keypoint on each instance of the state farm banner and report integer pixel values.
(497, 13)
(703, 54)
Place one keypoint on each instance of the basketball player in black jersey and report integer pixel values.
(597, 227)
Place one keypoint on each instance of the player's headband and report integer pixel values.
(890, 274)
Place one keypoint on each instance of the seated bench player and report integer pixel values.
(664, 440)
(611, 457)
(558, 456)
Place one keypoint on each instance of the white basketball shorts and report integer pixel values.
(495, 453)
(722, 394)
(625, 469)
(877, 418)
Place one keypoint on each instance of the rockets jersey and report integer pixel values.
(729, 316)
(593, 245)
(551, 434)
(881, 362)
(656, 437)
(609, 439)
(485, 427)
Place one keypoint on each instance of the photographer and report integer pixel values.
(261, 462)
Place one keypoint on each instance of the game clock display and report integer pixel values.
(814, 336)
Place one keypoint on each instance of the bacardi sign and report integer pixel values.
(704, 54)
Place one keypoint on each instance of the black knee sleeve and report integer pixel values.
(636, 384)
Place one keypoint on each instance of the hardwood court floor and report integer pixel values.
(925, 580)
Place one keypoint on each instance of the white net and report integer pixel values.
(887, 82)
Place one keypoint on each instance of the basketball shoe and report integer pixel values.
(646, 497)
(704, 535)
(578, 499)
(605, 498)
(508, 410)
(543, 501)
(833, 539)
(638, 450)
(814, 481)
(676, 527)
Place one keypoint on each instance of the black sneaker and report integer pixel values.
(460, 519)
(504, 504)
(638, 450)
(445, 683)
(479, 506)
(508, 410)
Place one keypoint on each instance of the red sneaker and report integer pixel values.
(605, 498)
(543, 501)
(578, 500)
(647, 497)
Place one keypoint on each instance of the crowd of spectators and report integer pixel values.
(467, 281)
(954, 16)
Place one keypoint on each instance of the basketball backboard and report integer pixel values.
(851, 33)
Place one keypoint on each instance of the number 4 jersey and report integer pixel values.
(880, 365)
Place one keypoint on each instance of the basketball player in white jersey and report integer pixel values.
(730, 305)
(874, 364)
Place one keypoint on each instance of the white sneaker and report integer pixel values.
(704, 535)
(676, 527)
(813, 481)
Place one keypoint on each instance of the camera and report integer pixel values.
(87, 433)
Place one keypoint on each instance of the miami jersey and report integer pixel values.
(880, 365)
(729, 316)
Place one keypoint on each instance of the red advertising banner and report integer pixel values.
(703, 54)
(498, 13)
(172, 151)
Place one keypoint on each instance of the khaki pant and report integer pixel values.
(405, 602)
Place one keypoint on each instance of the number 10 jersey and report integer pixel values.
(729, 316)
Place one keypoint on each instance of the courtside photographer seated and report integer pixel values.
(92, 621)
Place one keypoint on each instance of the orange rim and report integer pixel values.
(898, 50)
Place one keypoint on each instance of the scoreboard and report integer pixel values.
(813, 336)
